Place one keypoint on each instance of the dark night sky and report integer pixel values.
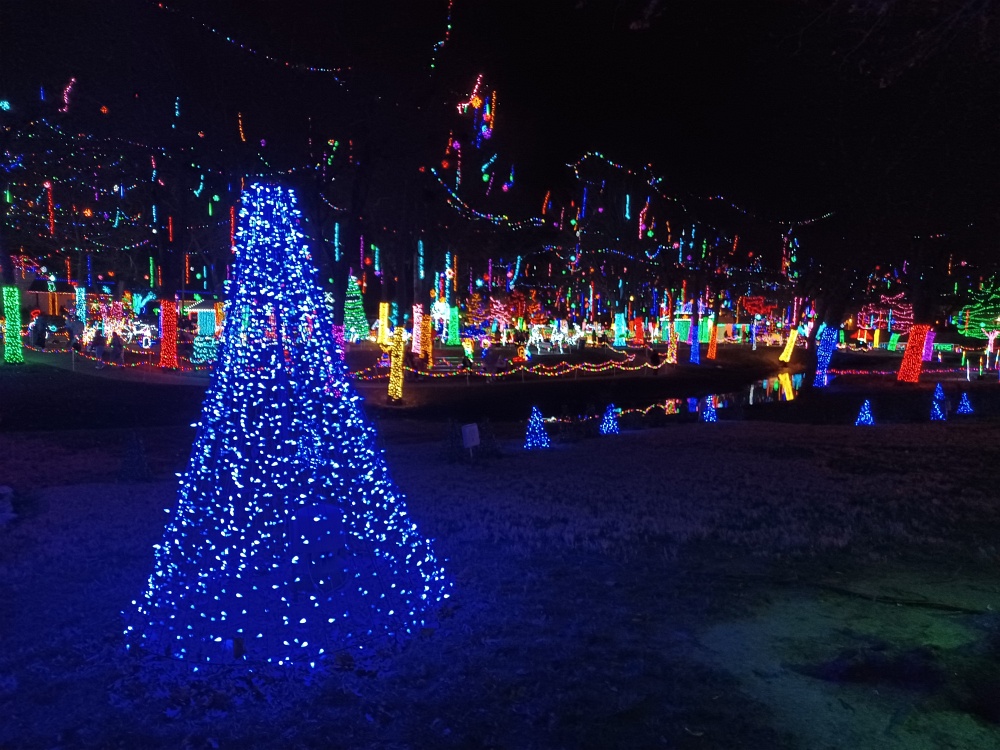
(741, 99)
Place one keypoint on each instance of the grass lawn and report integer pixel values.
(785, 580)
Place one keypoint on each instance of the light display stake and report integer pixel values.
(454, 337)
(786, 353)
(620, 329)
(609, 424)
(168, 334)
(910, 367)
(289, 541)
(420, 259)
(396, 367)
(536, 437)
(708, 414)
(865, 415)
(13, 347)
(825, 346)
(964, 407)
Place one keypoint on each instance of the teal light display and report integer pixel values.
(289, 541)
(205, 344)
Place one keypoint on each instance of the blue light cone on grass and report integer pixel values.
(536, 436)
(937, 413)
(609, 424)
(865, 415)
(289, 541)
(708, 414)
(938, 393)
(964, 407)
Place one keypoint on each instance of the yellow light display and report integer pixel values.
(383, 323)
(786, 353)
(713, 342)
(396, 366)
(785, 381)
(427, 340)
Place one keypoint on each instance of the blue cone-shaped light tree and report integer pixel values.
(708, 414)
(289, 541)
(937, 413)
(964, 407)
(938, 393)
(609, 424)
(536, 436)
(865, 415)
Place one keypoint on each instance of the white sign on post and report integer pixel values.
(470, 436)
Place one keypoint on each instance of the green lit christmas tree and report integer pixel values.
(356, 325)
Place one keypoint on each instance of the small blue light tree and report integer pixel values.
(708, 414)
(536, 437)
(964, 407)
(938, 393)
(609, 424)
(937, 413)
(289, 541)
(865, 415)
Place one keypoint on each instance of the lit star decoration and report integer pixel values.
(289, 541)
(964, 407)
(13, 347)
(609, 424)
(536, 436)
(865, 415)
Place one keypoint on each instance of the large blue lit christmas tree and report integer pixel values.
(289, 542)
